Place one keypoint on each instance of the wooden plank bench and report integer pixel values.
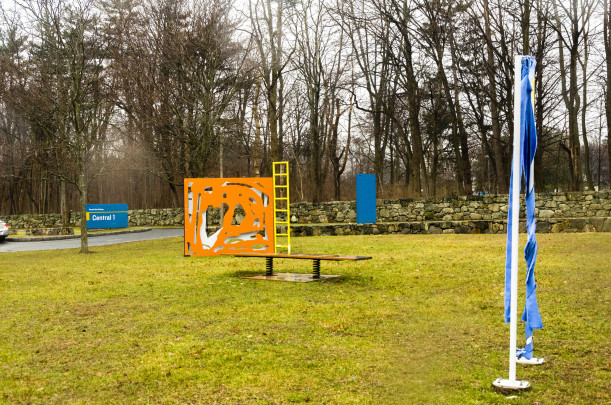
(269, 259)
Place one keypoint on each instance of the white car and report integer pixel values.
(3, 230)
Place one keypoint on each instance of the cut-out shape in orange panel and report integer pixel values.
(247, 224)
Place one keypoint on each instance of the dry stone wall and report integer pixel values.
(475, 208)
(148, 217)
(564, 212)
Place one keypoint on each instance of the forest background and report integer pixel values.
(105, 101)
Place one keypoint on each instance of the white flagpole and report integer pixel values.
(511, 383)
(515, 217)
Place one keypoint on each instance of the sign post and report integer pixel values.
(102, 216)
(365, 198)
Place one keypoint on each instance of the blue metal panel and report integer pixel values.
(106, 216)
(365, 198)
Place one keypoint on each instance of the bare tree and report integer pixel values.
(320, 58)
(400, 15)
(497, 148)
(268, 33)
(570, 33)
(69, 98)
(607, 40)
(179, 99)
(584, 58)
(368, 30)
(437, 33)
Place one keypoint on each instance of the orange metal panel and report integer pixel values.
(253, 233)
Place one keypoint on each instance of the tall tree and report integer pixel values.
(68, 100)
(525, 8)
(368, 32)
(179, 100)
(437, 33)
(321, 62)
(570, 32)
(607, 40)
(268, 33)
(497, 147)
(542, 90)
(401, 15)
(584, 58)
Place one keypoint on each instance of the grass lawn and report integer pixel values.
(421, 323)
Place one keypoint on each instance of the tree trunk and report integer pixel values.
(174, 192)
(417, 157)
(257, 143)
(377, 140)
(272, 117)
(525, 22)
(82, 187)
(584, 103)
(497, 146)
(455, 140)
(63, 206)
(338, 168)
(539, 95)
(570, 93)
(607, 38)
(316, 152)
(574, 103)
(464, 137)
(275, 72)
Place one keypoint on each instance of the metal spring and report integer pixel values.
(316, 269)
(269, 266)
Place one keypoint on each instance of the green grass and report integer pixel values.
(421, 323)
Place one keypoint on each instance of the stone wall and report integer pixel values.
(564, 212)
(573, 225)
(489, 207)
(149, 217)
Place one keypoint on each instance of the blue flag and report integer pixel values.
(528, 146)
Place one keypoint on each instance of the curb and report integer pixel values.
(62, 237)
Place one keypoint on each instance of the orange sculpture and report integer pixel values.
(247, 224)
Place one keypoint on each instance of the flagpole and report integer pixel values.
(512, 383)
(515, 217)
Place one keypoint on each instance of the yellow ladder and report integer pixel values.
(282, 215)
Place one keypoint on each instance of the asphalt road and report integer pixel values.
(100, 240)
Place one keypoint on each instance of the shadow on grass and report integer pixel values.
(250, 273)
(246, 273)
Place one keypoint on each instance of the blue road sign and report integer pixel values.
(365, 198)
(106, 216)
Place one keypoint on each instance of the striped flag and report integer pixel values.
(528, 146)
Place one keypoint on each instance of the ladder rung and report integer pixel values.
(282, 234)
(281, 209)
